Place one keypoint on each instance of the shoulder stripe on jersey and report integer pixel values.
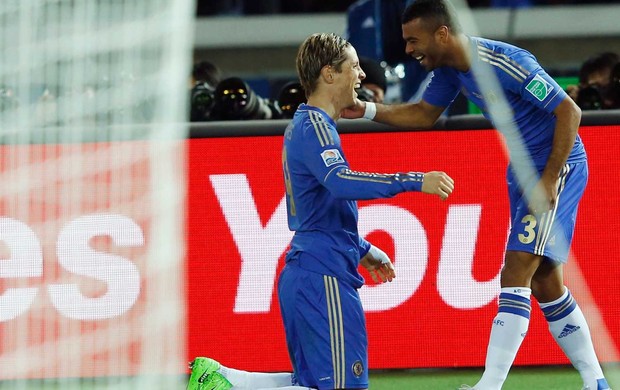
(316, 128)
(321, 128)
(503, 67)
(548, 218)
(509, 62)
(336, 330)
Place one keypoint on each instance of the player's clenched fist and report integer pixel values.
(438, 183)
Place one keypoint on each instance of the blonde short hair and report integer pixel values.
(314, 53)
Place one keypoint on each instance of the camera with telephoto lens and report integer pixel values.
(235, 100)
(202, 102)
(590, 98)
(290, 97)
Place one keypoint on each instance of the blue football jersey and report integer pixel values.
(530, 92)
(321, 196)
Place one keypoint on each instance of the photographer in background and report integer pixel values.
(204, 79)
(595, 77)
(291, 96)
(235, 100)
(213, 98)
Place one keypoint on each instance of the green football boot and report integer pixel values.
(205, 375)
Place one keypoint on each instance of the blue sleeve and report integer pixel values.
(442, 89)
(543, 91)
(325, 159)
(538, 88)
(364, 246)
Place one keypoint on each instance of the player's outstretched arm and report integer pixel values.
(438, 183)
(378, 265)
(420, 115)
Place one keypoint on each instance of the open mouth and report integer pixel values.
(420, 57)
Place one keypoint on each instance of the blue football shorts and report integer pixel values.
(551, 233)
(325, 329)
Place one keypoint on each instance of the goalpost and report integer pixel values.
(93, 103)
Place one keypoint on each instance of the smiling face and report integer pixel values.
(425, 44)
(347, 77)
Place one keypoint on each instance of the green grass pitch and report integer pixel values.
(520, 378)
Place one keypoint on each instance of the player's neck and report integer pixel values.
(461, 60)
(325, 103)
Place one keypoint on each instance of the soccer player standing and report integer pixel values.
(543, 205)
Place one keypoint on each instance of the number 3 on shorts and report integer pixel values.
(530, 234)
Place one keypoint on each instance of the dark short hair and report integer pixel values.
(436, 13)
(596, 63)
(206, 71)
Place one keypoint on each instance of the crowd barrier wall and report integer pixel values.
(437, 313)
(439, 309)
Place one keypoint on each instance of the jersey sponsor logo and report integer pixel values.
(331, 157)
(539, 88)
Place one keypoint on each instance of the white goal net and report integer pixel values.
(92, 153)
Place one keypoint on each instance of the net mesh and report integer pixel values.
(92, 101)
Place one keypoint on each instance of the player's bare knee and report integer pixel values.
(519, 268)
(548, 282)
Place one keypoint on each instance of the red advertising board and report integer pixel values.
(438, 311)
(74, 265)
(73, 259)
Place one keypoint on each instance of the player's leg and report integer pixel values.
(512, 320)
(291, 281)
(210, 374)
(513, 316)
(566, 321)
(206, 371)
(354, 367)
(329, 348)
(257, 380)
